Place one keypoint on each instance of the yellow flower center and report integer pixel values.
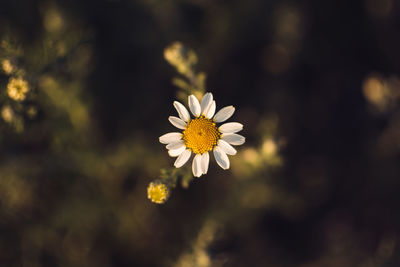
(201, 135)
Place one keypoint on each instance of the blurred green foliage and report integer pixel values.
(85, 92)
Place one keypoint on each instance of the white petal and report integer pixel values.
(231, 127)
(175, 145)
(224, 114)
(221, 158)
(205, 159)
(211, 110)
(182, 111)
(183, 158)
(178, 123)
(206, 103)
(176, 152)
(234, 139)
(194, 105)
(227, 148)
(196, 166)
(170, 138)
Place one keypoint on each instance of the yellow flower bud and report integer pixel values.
(7, 114)
(7, 66)
(174, 53)
(158, 192)
(179, 57)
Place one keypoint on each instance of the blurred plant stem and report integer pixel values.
(184, 60)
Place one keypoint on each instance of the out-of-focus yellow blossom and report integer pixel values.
(269, 147)
(17, 89)
(7, 66)
(31, 112)
(375, 90)
(53, 21)
(381, 92)
(158, 192)
(7, 114)
(251, 156)
(180, 58)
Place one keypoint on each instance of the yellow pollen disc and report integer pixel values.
(201, 135)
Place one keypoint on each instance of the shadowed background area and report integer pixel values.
(85, 92)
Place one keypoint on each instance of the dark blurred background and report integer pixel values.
(315, 83)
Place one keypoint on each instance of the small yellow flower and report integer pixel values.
(7, 113)
(158, 192)
(7, 66)
(17, 89)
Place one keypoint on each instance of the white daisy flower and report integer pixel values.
(201, 134)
